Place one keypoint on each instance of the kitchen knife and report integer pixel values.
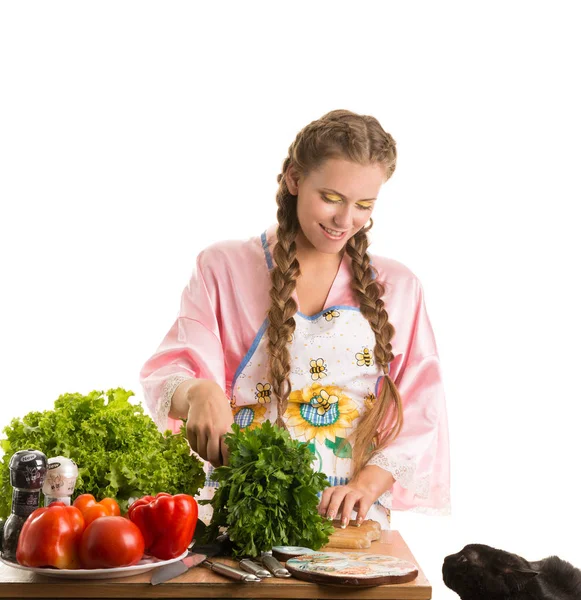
(167, 572)
(197, 555)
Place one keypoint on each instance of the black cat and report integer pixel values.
(479, 572)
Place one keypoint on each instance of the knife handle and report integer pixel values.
(274, 566)
(251, 567)
(230, 572)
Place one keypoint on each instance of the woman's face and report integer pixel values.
(334, 202)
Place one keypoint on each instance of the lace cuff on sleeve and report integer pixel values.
(167, 391)
(404, 472)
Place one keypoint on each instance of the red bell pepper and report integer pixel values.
(50, 537)
(167, 523)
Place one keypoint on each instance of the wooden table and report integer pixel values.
(203, 583)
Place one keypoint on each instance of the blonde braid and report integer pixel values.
(284, 274)
(369, 292)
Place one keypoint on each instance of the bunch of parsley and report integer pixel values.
(267, 494)
(118, 449)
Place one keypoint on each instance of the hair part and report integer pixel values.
(360, 139)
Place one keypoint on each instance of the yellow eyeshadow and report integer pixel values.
(335, 198)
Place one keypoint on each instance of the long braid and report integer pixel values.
(283, 276)
(361, 139)
(369, 292)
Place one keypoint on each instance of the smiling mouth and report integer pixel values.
(334, 233)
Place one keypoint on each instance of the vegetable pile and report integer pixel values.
(78, 536)
(118, 449)
(267, 494)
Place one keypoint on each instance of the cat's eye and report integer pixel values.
(462, 558)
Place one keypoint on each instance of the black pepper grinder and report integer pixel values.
(27, 473)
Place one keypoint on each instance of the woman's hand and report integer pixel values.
(359, 494)
(209, 419)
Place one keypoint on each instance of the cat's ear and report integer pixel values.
(516, 579)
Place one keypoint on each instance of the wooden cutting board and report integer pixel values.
(354, 537)
(359, 569)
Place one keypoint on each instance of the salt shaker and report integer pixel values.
(60, 481)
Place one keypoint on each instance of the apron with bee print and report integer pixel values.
(334, 380)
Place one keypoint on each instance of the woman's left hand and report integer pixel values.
(359, 494)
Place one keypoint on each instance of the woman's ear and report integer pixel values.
(292, 180)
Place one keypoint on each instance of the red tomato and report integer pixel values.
(112, 507)
(83, 502)
(111, 542)
(77, 521)
(50, 537)
(94, 512)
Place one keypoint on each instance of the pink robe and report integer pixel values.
(223, 309)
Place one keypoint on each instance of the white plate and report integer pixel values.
(147, 563)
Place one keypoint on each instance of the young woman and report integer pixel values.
(302, 326)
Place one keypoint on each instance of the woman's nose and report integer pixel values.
(343, 217)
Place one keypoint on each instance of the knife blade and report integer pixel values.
(167, 572)
(196, 555)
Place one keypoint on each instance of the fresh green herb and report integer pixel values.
(118, 449)
(267, 494)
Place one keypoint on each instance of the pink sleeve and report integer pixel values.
(419, 457)
(192, 348)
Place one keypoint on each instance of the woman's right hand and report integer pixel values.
(209, 419)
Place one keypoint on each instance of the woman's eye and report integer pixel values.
(336, 200)
(332, 199)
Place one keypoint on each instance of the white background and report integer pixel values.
(132, 135)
